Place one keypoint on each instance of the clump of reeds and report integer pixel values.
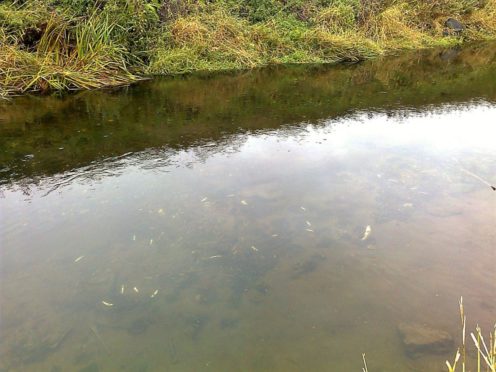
(486, 351)
(69, 55)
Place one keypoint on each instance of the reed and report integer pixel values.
(486, 352)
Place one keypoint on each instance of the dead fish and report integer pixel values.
(151, 241)
(309, 230)
(136, 290)
(122, 289)
(160, 211)
(154, 293)
(254, 248)
(107, 303)
(303, 208)
(217, 256)
(244, 202)
(204, 199)
(308, 223)
(79, 259)
(367, 232)
(134, 237)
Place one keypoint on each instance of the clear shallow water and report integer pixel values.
(243, 200)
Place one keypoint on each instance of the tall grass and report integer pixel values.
(318, 32)
(70, 54)
(51, 45)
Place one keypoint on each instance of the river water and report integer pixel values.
(282, 219)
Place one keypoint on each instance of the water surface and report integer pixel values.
(222, 218)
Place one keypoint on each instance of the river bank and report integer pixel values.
(68, 45)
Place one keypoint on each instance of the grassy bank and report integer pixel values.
(48, 45)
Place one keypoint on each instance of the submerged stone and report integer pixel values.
(306, 267)
(422, 339)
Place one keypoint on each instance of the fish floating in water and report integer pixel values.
(136, 290)
(154, 293)
(79, 259)
(244, 202)
(107, 304)
(367, 232)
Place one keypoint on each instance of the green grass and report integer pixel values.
(67, 56)
(59, 45)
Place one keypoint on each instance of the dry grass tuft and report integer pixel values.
(216, 41)
(337, 19)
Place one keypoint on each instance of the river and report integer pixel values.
(281, 219)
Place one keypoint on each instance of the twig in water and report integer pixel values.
(479, 178)
(364, 369)
(99, 338)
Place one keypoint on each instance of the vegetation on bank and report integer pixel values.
(79, 44)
